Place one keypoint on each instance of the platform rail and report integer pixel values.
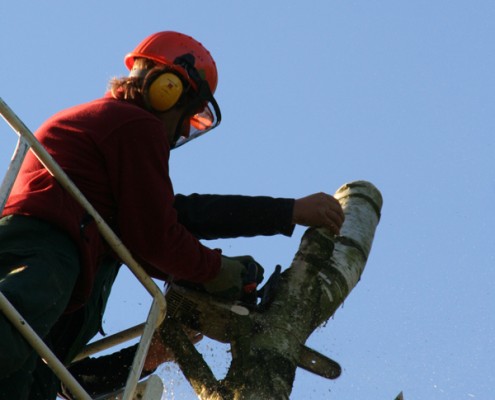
(28, 142)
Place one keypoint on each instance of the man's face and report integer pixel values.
(195, 113)
(171, 120)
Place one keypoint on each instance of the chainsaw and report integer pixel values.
(224, 320)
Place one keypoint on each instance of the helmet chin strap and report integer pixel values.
(138, 73)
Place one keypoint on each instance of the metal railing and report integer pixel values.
(27, 141)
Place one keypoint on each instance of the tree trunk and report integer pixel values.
(266, 352)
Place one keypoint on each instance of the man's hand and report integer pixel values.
(238, 275)
(319, 210)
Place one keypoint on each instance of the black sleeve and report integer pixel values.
(228, 216)
(105, 374)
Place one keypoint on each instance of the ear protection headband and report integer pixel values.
(163, 86)
(162, 89)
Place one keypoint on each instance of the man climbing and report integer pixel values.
(54, 266)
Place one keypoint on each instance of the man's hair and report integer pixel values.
(130, 87)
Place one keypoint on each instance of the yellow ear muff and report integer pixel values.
(165, 91)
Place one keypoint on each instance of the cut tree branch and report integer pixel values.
(267, 346)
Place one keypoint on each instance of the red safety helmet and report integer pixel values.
(174, 50)
(165, 47)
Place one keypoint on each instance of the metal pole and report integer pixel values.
(110, 341)
(142, 350)
(12, 171)
(41, 348)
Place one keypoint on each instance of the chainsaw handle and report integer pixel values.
(253, 276)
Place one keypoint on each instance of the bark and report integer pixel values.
(266, 346)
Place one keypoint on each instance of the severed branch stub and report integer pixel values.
(268, 345)
(190, 361)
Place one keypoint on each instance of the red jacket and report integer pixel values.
(117, 155)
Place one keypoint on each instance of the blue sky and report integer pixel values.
(313, 95)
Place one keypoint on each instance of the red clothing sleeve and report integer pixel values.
(137, 164)
(117, 155)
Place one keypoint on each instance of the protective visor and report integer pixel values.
(194, 124)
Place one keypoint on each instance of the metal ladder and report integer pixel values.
(152, 388)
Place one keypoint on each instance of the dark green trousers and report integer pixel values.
(39, 266)
(73, 331)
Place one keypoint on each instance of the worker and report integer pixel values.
(55, 268)
(207, 217)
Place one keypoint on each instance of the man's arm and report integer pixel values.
(94, 373)
(229, 216)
